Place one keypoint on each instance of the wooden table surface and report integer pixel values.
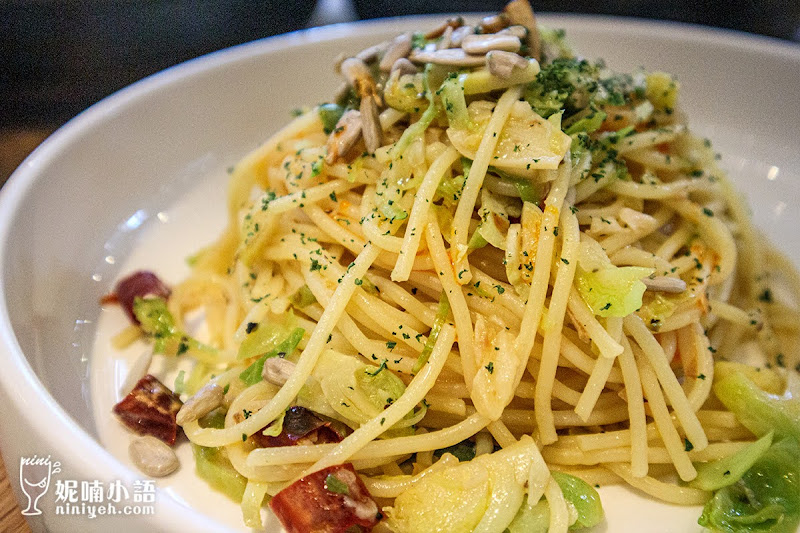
(14, 146)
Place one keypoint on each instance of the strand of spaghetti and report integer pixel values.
(445, 404)
(551, 344)
(458, 304)
(588, 187)
(559, 515)
(363, 306)
(784, 265)
(371, 307)
(597, 476)
(349, 240)
(731, 313)
(630, 256)
(597, 379)
(722, 421)
(648, 138)
(561, 391)
(656, 455)
(691, 339)
(199, 290)
(583, 314)
(540, 282)
(402, 298)
(392, 486)
(254, 164)
(658, 191)
(354, 336)
(669, 435)
(521, 421)
(434, 440)
(655, 355)
(588, 212)
(714, 232)
(676, 241)
(314, 194)
(538, 475)
(622, 437)
(377, 236)
(419, 213)
(305, 364)
(508, 298)
(574, 355)
(485, 306)
(631, 235)
(658, 489)
(654, 160)
(398, 360)
(636, 413)
(370, 225)
(472, 187)
(501, 433)
(414, 393)
(389, 320)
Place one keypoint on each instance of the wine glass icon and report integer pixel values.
(31, 470)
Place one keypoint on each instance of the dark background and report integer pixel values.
(58, 57)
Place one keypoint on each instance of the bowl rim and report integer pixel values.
(18, 378)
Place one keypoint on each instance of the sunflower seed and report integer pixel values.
(520, 13)
(404, 66)
(502, 64)
(367, 55)
(455, 57)
(203, 402)
(356, 73)
(516, 30)
(152, 457)
(444, 42)
(277, 370)
(493, 24)
(344, 136)
(480, 44)
(438, 31)
(665, 284)
(399, 48)
(371, 124)
(459, 34)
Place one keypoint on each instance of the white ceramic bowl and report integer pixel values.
(138, 180)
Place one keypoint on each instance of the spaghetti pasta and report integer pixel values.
(478, 278)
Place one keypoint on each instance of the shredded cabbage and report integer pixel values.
(526, 143)
(729, 470)
(581, 497)
(758, 410)
(157, 322)
(607, 289)
(344, 388)
(480, 495)
(767, 496)
(265, 336)
(253, 373)
(212, 466)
